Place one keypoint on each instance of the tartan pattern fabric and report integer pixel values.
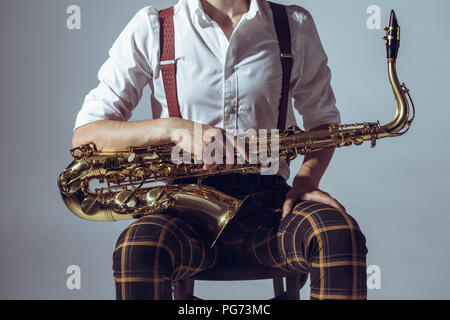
(315, 238)
(154, 250)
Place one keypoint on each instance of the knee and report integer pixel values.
(330, 230)
(347, 239)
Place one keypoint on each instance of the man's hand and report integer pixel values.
(202, 141)
(306, 182)
(304, 189)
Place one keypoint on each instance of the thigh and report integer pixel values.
(313, 234)
(265, 247)
(175, 247)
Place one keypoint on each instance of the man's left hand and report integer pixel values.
(304, 189)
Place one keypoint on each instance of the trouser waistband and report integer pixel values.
(232, 180)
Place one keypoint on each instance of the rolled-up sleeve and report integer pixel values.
(124, 75)
(311, 89)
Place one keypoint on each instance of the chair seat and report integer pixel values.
(242, 274)
(184, 289)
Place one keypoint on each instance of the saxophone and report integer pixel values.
(139, 181)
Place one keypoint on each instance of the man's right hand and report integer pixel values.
(202, 141)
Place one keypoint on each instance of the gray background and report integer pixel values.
(398, 192)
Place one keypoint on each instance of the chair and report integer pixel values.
(184, 289)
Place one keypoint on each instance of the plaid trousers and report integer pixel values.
(315, 238)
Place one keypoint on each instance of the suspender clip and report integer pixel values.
(167, 62)
(287, 55)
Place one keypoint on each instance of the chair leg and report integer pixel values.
(184, 289)
(180, 290)
(278, 286)
(293, 288)
(303, 279)
(190, 288)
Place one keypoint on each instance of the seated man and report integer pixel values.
(229, 78)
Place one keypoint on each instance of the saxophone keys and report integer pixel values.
(166, 168)
(111, 163)
(157, 199)
(293, 130)
(131, 157)
(115, 177)
(373, 141)
(404, 88)
(126, 199)
(89, 205)
(153, 195)
(153, 156)
(141, 173)
(74, 186)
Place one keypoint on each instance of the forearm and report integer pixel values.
(315, 164)
(114, 135)
(306, 183)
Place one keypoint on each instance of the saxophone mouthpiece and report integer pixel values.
(392, 37)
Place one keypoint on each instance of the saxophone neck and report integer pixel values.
(401, 119)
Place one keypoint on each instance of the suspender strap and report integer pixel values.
(167, 61)
(281, 22)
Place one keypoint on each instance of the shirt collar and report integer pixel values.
(196, 11)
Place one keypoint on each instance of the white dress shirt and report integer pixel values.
(232, 84)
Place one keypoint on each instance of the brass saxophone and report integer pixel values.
(126, 179)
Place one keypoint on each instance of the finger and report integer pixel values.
(334, 203)
(341, 207)
(197, 152)
(211, 141)
(210, 160)
(288, 205)
(241, 149)
(229, 150)
(208, 163)
(212, 167)
(327, 199)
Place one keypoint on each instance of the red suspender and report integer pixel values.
(167, 61)
(168, 64)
